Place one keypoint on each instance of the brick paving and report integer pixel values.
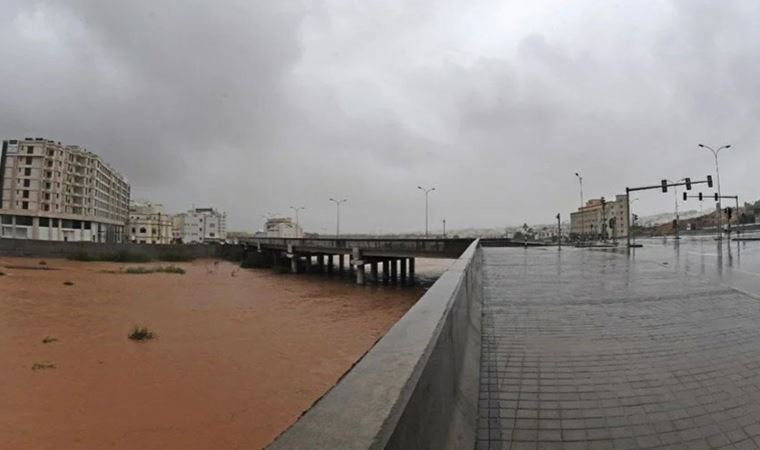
(586, 350)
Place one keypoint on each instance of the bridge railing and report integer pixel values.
(418, 386)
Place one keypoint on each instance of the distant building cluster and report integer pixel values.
(200, 225)
(56, 192)
(600, 218)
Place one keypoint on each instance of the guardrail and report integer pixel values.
(418, 386)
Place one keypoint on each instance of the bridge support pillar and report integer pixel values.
(330, 264)
(411, 270)
(321, 263)
(373, 271)
(360, 274)
(386, 271)
(340, 264)
(394, 271)
(308, 263)
(402, 270)
(294, 264)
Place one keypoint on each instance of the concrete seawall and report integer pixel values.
(127, 251)
(418, 386)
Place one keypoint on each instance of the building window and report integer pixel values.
(142, 230)
(27, 183)
(30, 150)
(27, 172)
(24, 205)
(25, 194)
(44, 222)
(29, 160)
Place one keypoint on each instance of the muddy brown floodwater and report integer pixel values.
(238, 354)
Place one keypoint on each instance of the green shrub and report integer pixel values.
(140, 334)
(139, 270)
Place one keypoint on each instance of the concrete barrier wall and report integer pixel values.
(418, 386)
(91, 250)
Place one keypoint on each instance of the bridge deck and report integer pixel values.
(588, 349)
(429, 248)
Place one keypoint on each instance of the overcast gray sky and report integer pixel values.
(254, 106)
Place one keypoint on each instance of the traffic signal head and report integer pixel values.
(709, 181)
(716, 196)
(700, 196)
(729, 210)
(688, 183)
(684, 196)
(664, 184)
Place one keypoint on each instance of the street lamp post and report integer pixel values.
(426, 191)
(717, 176)
(337, 223)
(580, 181)
(300, 208)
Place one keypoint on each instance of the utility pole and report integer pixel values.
(337, 214)
(444, 228)
(559, 232)
(426, 191)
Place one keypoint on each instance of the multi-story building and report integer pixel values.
(282, 227)
(200, 225)
(149, 224)
(600, 219)
(60, 193)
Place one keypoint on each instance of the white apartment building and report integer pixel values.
(598, 218)
(282, 227)
(60, 192)
(200, 225)
(149, 224)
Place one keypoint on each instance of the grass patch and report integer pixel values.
(29, 267)
(49, 339)
(140, 334)
(43, 365)
(68, 283)
(157, 269)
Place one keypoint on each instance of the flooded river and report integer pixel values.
(237, 356)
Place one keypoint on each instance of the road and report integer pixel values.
(588, 348)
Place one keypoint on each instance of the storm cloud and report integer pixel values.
(254, 106)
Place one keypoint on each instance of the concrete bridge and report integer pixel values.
(389, 260)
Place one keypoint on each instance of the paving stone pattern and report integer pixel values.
(587, 349)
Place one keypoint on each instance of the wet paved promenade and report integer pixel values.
(589, 349)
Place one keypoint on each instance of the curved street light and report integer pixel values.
(426, 191)
(337, 224)
(580, 180)
(717, 176)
